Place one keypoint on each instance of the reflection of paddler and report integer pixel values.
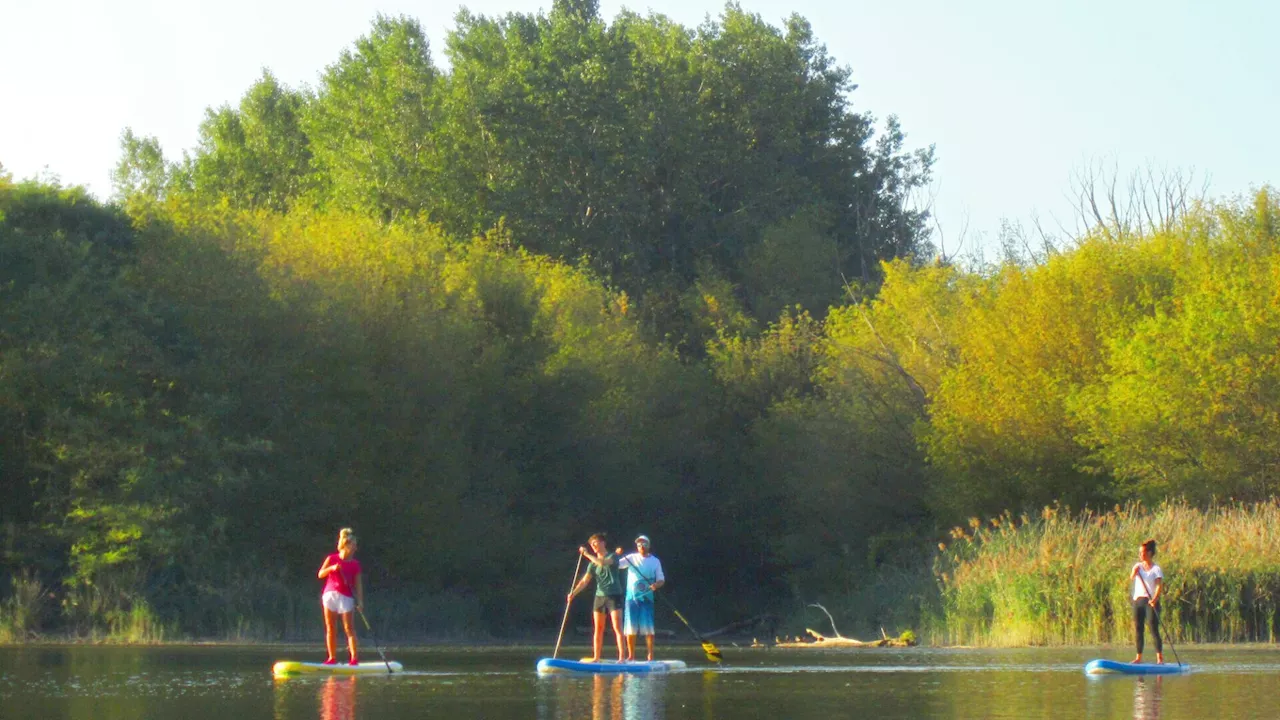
(338, 698)
(1146, 698)
(606, 697)
(642, 697)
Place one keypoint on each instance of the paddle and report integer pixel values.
(567, 603)
(1157, 613)
(367, 626)
(708, 647)
(375, 640)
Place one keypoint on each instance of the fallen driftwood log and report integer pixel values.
(907, 639)
(820, 640)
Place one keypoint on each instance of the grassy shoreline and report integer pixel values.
(1056, 579)
(1061, 579)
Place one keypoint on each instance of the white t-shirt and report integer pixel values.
(637, 565)
(1149, 576)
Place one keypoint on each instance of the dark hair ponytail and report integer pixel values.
(1150, 545)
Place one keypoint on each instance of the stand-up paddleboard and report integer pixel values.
(554, 665)
(1112, 667)
(291, 667)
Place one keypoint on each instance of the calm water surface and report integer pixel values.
(235, 683)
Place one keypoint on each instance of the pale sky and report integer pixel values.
(1017, 96)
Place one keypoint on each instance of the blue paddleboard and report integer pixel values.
(560, 665)
(1111, 667)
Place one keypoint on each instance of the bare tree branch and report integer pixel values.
(1152, 200)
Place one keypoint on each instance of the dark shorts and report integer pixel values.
(608, 603)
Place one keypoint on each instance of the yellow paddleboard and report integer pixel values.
(292, 667)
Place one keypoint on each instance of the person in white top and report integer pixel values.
(644, 576)
(1148, 582)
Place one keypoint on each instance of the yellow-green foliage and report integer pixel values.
(907, 334)
(1000, 422)
(1059, 578)
(1135, 367)
(444, 385)
(1190, 401)
(231, 385)
(202, 397)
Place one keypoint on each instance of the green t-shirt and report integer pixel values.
(608, 578)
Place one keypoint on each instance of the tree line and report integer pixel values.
(662, 157)
(622, 276)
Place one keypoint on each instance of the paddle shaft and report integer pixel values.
(1157, 614)
(567, 603)
(708, 647)
(367, 626)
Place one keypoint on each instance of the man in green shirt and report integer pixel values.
(609, 591)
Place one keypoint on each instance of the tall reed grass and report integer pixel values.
(23, 612)
(1060, 578)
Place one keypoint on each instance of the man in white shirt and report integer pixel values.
(644, 575)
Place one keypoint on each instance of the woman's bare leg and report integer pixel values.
(330, 633)
(348, 625)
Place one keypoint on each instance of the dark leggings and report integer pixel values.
(1142, 610)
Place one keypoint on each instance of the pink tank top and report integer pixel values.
(343, 579)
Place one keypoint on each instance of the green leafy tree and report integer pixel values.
(371, 127)
(142, 169)
(652, 150)
(256, 155)
(107, 458)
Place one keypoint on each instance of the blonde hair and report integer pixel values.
(346, 536)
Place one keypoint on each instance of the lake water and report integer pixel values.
(235, 683)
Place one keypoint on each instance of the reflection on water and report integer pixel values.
(603, 697)
(606, 698)
(217, 683)
(338, 699)
(1139, 697)
(1146, 698)
(335, 698)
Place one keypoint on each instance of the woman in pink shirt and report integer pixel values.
(341, 572)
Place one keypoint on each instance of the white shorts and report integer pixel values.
(335, 601)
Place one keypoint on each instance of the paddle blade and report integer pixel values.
(713, 652)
